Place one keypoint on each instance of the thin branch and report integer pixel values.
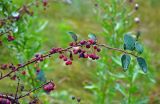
(22, 96)
(11, 98)
(63, 50)
(116, 49)
(17, 88)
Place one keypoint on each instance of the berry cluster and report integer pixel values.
(84, 49)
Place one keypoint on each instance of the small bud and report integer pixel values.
(136, 7)
(96, 5)
(78, 100)
(22, 88)
(137, 20)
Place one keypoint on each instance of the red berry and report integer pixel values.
(4, 66)
(88, 45)
(24, 72)
(10, 38)
(91, 41)
(13, 77)
(75, 51)
(49, 87)
(71, 44)
(19, 65)
(93, 56)
(69, 62)
(53, 50)
(61, 56)
(45, 2)
(95, 47)
(85, 55)
(65, 58)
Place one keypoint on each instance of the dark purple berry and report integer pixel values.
(98, 49)
(81, 55)
(82, 42)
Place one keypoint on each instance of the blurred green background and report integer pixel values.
(79, 16)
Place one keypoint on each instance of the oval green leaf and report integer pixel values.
(129, 42)
(142, 63)
(138, 47)
(125, 59)
(73, 35)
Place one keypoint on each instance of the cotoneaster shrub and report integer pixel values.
(88, 49)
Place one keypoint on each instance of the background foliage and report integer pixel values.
(93, 82)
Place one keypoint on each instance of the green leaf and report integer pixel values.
(138, 47)
(142, 63)
(73, 35)
(92, 36)
(125, 59)
(129, 42)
